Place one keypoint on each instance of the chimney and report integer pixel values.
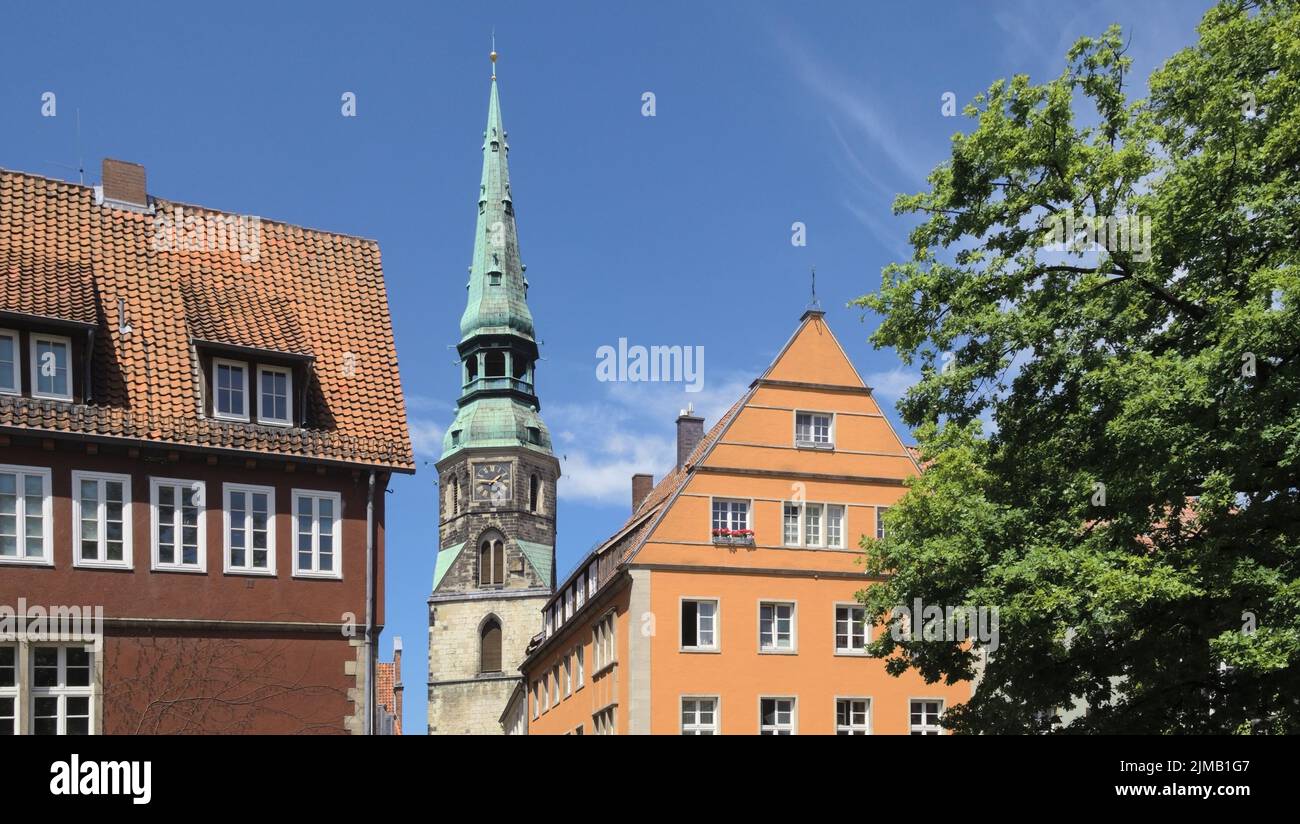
(123, 183)
(690, 431)
(641, 486)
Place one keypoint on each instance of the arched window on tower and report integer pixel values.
(489, 657)
(495, 365)
(534, 493)
(520, 367)
(471, 368)
(491, 562)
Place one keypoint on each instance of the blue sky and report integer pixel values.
(670, 230)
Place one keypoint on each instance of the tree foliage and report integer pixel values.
(1164, 382)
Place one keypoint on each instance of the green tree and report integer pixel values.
(1112, 438)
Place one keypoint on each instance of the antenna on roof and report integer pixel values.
(81, 166)
(813, 303)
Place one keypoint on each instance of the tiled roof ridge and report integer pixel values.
(90, 188)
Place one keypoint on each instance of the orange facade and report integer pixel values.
(736, 577)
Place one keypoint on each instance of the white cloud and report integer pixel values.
(426, 437)
(892, 383)
(631, 429)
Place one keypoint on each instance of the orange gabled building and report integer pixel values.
(725, 605)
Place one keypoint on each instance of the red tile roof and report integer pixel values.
(304, 292)
(385, 680)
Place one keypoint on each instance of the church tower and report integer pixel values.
(497, 474)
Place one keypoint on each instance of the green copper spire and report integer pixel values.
(497, 288)
(498, 405)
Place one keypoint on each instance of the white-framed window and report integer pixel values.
(880, 522)
(8, 690)
(62, 684)
(51, 367)
(591, 581)
(229, 390)
(699, 624)
(317, 534)
(776, 716)
(814, 429)
(580, 589)
(9, 372)
(700, 716)
(835, 526)
(549, 615)
(730, 514)
(178, 528)
(101, 519)
(537, 699)
(546, 693)
(582, 673)
(776, 626)
(850, 629)
(603, 642)
(604, 722)
(925, 714)
(26, 519)
(812, 525)
(274, 395)
(568, 602)
(568, 675)
(853, 716)
(250, 529)
(555, 685)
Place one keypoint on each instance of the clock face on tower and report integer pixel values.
(492, 482)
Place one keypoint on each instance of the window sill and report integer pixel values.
(9, 559)
(317, 576)
(719, 540)
(607, 668)
(229, 418)
(762, 651)
(108, 565)
(191, 570)
(815, 446)
(848, 653)
(251, 573)
(704, 650)
(60, 398)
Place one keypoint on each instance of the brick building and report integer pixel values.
(199, 415)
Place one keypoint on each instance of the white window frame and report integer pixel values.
(337, 533)
(17, 387)
(776, 728)
(62, 691)
(100, 479)
(716, 646)
(866, 629)
(794, 626)
(248, 568)
(591, 580)
(824, 520)
(815, 444)
(880, 523)
(40, 337)
(582, 667)
(20, 516)
(288, 399)
(568, 675)
(11, 690)
(925, 728)
(853, 728)
(546, 692)
(749, 512)
(555, 684)
(216, 391)
(200, 490)
(844, 525)
(537, 699)
(696, 727)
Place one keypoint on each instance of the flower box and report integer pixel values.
(733, 537)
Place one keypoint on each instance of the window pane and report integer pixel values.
(8, 363)
(45, 666)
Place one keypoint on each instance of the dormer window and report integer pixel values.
(230, 382)
(9, 362)
(494, 278)
(275, 395)
(51, 367)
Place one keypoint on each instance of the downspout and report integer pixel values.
(370, 606)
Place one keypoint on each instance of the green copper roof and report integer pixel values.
(497, 289)
(540, 556)
(446, 558)
(499, 421)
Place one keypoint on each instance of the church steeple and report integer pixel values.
(498, 404)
